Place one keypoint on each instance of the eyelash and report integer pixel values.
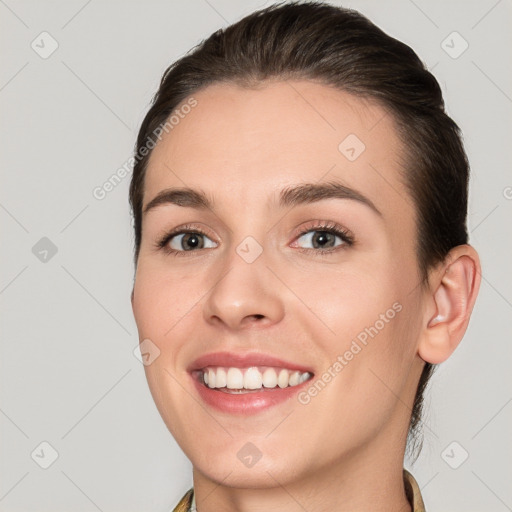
(330, 227)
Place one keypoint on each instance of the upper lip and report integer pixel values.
(244, 360)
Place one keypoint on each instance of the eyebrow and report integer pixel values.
(303, 193)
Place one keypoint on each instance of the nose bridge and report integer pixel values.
(245, 290)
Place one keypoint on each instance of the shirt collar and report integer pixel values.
(193, 504)
(412, 491)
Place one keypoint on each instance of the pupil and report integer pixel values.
(192, 239)
(322, 238)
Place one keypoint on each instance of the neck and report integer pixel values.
(367, 479)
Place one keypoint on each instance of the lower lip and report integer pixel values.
(246, 403)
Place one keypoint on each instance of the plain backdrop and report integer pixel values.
(76, 78)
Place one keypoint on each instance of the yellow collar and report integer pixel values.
(412, 491)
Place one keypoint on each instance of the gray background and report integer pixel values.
(68, 373)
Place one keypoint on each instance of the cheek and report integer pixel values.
(345, 302)
(162, 301)
(361, 324)
(163, 308)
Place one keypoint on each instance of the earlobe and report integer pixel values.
(453, 291)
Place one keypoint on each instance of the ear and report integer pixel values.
(453, 287)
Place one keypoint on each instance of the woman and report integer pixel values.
(299, 200)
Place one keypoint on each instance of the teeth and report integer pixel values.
(253, 377)
(304, 377)
(220, 378)
(211, 378)
(283, 378)
(234, 379)
(269, 378)
(294, 378)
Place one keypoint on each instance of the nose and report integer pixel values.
(245, 295)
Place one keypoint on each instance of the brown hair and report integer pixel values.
(341, 48)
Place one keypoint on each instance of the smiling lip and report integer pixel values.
(245, 360)
(244, 403)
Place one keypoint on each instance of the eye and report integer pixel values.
(185, 239)
(326, 236)
(189, 241)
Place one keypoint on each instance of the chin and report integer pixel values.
(229, 470)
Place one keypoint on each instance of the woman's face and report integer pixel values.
(325, 280)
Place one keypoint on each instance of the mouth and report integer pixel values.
(254, 379)
(247, 391)
(246, 383)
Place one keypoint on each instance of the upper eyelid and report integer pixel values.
(321, 225)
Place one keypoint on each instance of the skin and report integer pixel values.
(343, 450)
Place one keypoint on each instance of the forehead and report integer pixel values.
(250, 142)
